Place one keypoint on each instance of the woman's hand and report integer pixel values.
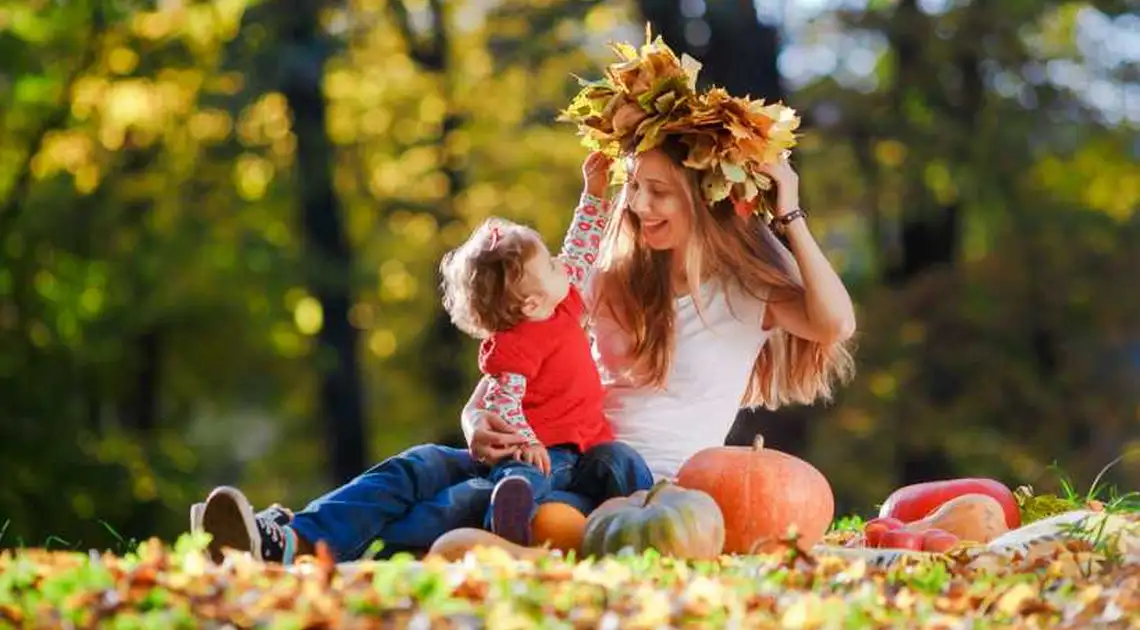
(596, 173)
(787, 184)
(493, 438)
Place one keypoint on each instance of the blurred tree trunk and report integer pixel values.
(138, 405)
(738, 51)
(930, 230)
(139, 399)
(431, 51)
(330, 257)
(140, 412)
(141, 403)
(740, 55)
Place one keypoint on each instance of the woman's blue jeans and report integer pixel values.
(411, 499)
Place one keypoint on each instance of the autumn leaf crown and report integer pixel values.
(649, 95)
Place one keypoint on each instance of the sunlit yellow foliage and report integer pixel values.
(63, 150)
(122, 60)
(210, 125)
(252, 175)
(382, 342)
(941, 183)
(308, 315)
(201, 24)
(890, 153)
(1101, 176)
(265, 121)
(397, 284)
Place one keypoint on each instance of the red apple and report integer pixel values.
(938, 541)
(901, 539)
(890, 521)
(875, 528)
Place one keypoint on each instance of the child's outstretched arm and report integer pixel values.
(584, 237)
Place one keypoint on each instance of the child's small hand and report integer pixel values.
(596, 172)
(535, 455)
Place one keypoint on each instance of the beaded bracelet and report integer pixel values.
(780, 224)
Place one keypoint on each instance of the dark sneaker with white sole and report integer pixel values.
(512, 504)
(276, 513)
(229, 519)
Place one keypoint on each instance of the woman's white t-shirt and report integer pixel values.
(712, 363)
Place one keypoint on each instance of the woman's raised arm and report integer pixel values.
(824, 313)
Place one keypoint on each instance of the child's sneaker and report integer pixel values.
(196, 517)
(276, 512)
(512, 503)
(229, 519)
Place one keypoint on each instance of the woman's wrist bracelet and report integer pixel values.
(780, 223)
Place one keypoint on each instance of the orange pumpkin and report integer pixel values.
(762, 493)
(558, 524)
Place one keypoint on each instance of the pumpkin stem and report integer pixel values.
(758, 443)
(654, 490)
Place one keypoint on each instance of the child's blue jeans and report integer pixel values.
(411, 499)
(582, 480)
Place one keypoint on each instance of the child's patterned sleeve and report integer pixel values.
(584, 238)
(504, 398)
(509, 361)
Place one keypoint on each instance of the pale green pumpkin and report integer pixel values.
(668, 518)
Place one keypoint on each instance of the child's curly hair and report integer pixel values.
(482, 277)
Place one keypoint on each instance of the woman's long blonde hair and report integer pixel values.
(634, 285)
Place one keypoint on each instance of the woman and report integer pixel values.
(696, 307)
(771, 328)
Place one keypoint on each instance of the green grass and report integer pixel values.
(1110, 496)
(849, 523)
(120, 545)
(1099, 495)
(125, 545)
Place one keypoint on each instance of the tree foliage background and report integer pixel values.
(220, 222)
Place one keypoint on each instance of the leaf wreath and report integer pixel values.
(650, 94)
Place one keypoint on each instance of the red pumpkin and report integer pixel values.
(761, 493)
(916, 501)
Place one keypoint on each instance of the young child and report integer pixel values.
(504, 287)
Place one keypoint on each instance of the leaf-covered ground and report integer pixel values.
(1074, 585)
